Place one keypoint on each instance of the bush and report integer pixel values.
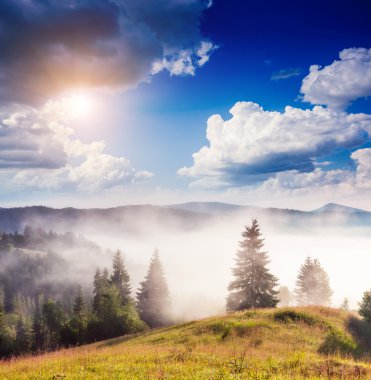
(295, 316)
(337, 342)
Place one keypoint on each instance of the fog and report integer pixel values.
(197, 249)
(198, 262)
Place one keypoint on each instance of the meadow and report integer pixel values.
(290, 343)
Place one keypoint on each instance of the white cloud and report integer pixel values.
(184, 62)
(286, 73)
(312, 189)
(256, 144)
(363, 159)
(42, 147)
(204, 51)
(341, 82)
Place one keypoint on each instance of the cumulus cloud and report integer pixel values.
(286, 73)
(331, 184)
(41, 147)
(48, 47)
(184, 62)
(341, 82)
(26, 142)
(363, 174)
(254, 145)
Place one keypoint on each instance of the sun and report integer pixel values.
(79, 106)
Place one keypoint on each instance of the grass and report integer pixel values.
(294, 343)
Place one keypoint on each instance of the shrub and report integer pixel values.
(295, 316)
(337, 342)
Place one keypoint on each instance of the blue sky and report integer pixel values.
(153, 120)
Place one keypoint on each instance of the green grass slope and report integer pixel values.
(293, 343)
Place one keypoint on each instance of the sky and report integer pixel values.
(114, 102)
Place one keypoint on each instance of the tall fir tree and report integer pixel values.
(284, 296)
(38, 328)
(153, 295)
(54, 318)
(79, 305)
(101, 289)
(75, 330)
(120, 278)
(365, 306)
(345, 304)
(97, 290)
(22, 337)
(312, 284)
(5, 338)
(253, 286)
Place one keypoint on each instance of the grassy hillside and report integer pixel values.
(295, 343)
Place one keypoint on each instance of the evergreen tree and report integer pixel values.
(312, 284)
(5, 339)
(97, 290)
(365, 306)
(22, 337)
(120, 278)
(79, 306)
(254, 286)
(111, 317)
(153, 295)
(345, 305)
(284, 296)
(74, 332)
(53, 318)
(38, 329)
(101, 288)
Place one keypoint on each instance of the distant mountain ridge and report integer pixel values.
(132, 218)
(135, 219)
(334, 207)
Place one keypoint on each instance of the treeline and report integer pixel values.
(40, 311)
(40, 240)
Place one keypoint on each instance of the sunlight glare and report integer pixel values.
(79, 106)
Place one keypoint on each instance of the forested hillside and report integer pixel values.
(42, 304)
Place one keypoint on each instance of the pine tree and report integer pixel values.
(345, 305)
(254, 286)
(101, 288)
(53, 317)
(153, 295)
(38, 329)
(284, 296)
(111, 317)
(75, 331)
(97, 290)
(5, 338)
(22, 337)
(365, 306)
(79, 306)
(120, 278)
(312, 284)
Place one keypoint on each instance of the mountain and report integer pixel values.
(210, 207)
(334, 207)
(139, 219)
(124, 219)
